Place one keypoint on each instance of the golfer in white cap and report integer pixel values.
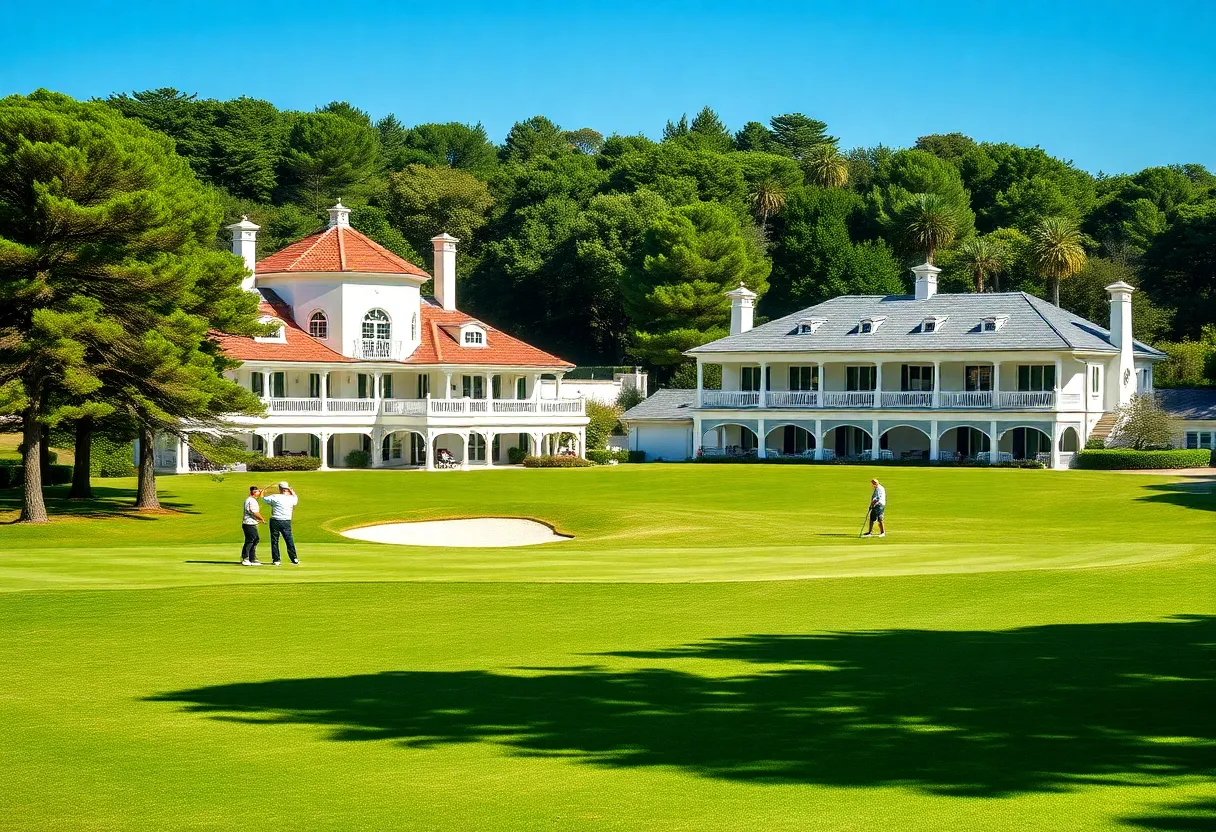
(281, 505)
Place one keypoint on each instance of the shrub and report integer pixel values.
(1121, 459)
(629, 397)
(1190, 363)
(358, 459)
(557, 462)
(284, 463)
(10, 476)
(604, 456)
(1019, 463)
(603, 419)
(1143, 424)
(515, 456)
(1095, 444)
(635, 456)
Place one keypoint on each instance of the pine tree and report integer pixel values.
(795, 134)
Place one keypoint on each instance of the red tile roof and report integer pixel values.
(299, 346)
(337, 249)
(438, 346)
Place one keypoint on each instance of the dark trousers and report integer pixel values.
(249, 551)
(281, 527)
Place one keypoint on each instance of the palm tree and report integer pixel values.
(826, 166)
(929, 222)
(980, 257)
(768, 199)
(1055, 248)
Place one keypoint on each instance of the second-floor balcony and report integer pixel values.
(376, 349)
(422, 407)
(890, 399)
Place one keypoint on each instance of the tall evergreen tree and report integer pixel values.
(328, 156)
(795, 134)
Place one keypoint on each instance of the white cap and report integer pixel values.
(284, 484)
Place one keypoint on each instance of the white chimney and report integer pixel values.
(742, 309)
(339, 216)
(926, 280)
(445, 270)
(244, 246)
(1121, 338)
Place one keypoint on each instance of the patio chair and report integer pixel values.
(444, 459)
(773, 453)
(947, 456)
(984, 457)
(828, 454)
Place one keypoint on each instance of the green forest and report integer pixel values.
(618, 249)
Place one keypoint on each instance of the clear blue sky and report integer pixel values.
(1114, 86)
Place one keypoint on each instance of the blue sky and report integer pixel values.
(1114, 86)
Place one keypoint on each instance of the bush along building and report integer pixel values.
(986, 377)
(366, 368)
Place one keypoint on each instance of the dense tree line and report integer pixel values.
(619, 248)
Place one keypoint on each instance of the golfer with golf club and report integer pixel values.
(878, 506)
(281, 505)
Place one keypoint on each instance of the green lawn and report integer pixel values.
(715, 649)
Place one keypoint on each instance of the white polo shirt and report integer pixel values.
(880, 496)
(251, 508)
(281, 505)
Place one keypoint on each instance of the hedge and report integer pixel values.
(557, 462)
(284, 463)
(516, 456)
(358, 459)
(1122, 459)
(12, 476)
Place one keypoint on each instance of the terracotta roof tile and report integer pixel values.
(441, 347)
(337, 249)
(299, 346)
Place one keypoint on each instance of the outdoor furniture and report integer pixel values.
(912, 455)
(881, 454)
(444, 459)
(713, 453)
(1004, 456)
(773, 452)
(947, 456)
(828, 454)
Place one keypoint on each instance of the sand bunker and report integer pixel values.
(478, 532)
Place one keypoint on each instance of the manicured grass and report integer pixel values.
(663, 670)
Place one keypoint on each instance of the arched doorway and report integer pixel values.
(1070, 442)
(848, 441)
(963, 443)
(449, 450)
(789, 440)
(1025, 442)
(729, 440)
(905, 442)
(403, 448)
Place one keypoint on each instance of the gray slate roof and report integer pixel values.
(1189, 403)
(1033, 324)
(663, 405)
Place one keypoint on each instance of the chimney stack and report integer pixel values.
(339, 216)
(1121, 338)
(742, 309)
(926, 280)
(244, 245)
(445, 270)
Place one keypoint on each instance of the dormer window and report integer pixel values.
(474, 338)
(933, 323)
(280, 335)
(869, 326)
(809, 325)
(993, 323)
(318, 325)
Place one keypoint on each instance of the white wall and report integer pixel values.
(401, 302)
(662, 441)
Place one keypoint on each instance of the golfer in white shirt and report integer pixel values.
(249, 527)
(878, 507)
(281, 505)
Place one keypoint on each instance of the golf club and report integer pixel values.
(864, 518)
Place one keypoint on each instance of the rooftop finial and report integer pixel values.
(339, 215)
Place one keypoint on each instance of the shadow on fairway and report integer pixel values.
(106, 503)
(1196, 492)
(960, 713)
(1199, 816)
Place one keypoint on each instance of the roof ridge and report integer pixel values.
(341, 249)
(1026, 296)
(435, 340)
(320, 235)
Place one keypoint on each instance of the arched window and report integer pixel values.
(318, 325)
(414, 327)
(474, 336)
(376, 326)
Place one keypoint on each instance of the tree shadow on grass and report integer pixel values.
(107, 502)
(1194, 492)
(959, 713)
(1197, 816)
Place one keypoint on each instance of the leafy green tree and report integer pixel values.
(767, 199)
(1057, 251)
(1180, 268)
(533, 139)
(794, 134)
(1191, 362)
(826, 167)
(248, 139)
(708, 132)
(683, 174)
(346, 110)
(107, 274)
(928, 222)
(815, 257)
(949, 147)
(1020, 186)
(675, 297)
(585, 140)
(981, 257)
(676, 129)
(1143, 424)
(754, 138)
(423, 202)
(453, 145)
(898, 183)
(602, 421)
(374, 221)
(328, 156)
(1085, 294)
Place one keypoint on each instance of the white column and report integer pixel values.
(877, 391)
(937, 385)
(534, 441)
(1055, 445)
(558, 386)
(324, 437)
(933, 449)
(183, 454)
(535, 386)
(696, 431)
(430, 450)
(1059, 381)
(270, 437)
(760, 433)
(490, 391)
(447, 385)
(490, 460)
(996, 384)
(464, 460)
(700, 384)
(993, 442)
(818, 439)
(763, 392)
(325, 391)
(874, 439)
(377, 447)
(376, 390)
(582, 442)
(267, 391)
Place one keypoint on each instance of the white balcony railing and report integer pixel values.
(730, 398)
(567, 406)
(403, 407)
(375, 349)
(514, 406)
(848, 398)
(965, 399)
(909, 398)
(292, 406)
(792, 398)
(1026, 400)
(351, 406)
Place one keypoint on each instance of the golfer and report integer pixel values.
(249, 526)
(281, 507)
(878, 507)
